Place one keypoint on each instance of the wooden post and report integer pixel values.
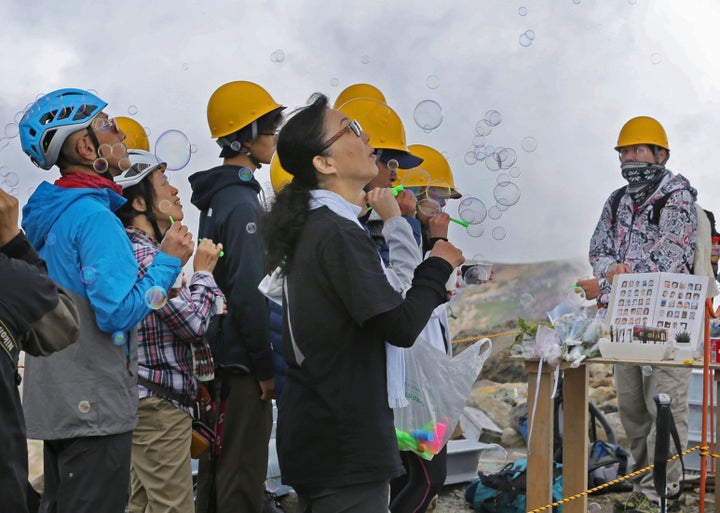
(575, 437)
(540, 444)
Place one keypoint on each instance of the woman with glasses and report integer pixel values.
(336, 438)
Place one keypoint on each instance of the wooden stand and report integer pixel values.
(575, 422)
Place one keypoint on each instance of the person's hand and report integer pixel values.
(438, 225)
(591, 286)
(407, 202)
(447, 252)
(267, 388)
(620, 268)
(206, 256)
(383, 202)
(8, 217)
(178, 242)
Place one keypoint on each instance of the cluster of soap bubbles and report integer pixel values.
(500, 159)
(9, 180)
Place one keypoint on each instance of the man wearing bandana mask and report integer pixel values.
(634, 240)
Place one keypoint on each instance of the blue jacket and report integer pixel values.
(89, 388)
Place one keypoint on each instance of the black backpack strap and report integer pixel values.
(657, 208)
(615, 202)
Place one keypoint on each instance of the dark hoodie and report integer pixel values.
(230, 213)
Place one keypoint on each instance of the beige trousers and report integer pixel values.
(160, 472)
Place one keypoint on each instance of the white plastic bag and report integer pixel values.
(436, 387)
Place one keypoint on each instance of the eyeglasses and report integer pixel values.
(273, 133)
(353, 126)
(105, 124)
(639, 151)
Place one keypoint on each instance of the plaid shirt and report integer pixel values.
(166, 336)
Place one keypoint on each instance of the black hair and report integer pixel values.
(267, 121)
(301, 139)
(146, 191)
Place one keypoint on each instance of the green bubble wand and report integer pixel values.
(172, 222)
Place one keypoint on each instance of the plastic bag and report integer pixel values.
(436, 387)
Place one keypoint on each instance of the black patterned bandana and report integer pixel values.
(643, 178)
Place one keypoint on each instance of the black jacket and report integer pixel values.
(37, 317)
(230, 213)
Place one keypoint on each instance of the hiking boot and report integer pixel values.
(673, 506)
(636, 502)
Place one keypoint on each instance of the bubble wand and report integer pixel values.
(395, 191)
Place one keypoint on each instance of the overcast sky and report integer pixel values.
(590, 67)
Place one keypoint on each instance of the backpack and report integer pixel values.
(505, 490)
(606, 459)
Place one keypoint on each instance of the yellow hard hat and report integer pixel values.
(279, 178)
(382, 124)
(435, 165)
(642, 130)
(135, 136)
(237, 104)
(358, 91)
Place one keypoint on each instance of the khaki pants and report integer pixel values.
(638, 414)
(160, 473)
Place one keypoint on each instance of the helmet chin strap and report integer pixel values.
(253, 158)
(93, 138)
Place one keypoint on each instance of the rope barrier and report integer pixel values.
(479, 337)
(619, 480)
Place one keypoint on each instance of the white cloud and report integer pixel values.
(588, 70)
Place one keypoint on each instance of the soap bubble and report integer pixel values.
(655, 58)
(365, 59)
(173, 148)
(526, 300)
(507, 194)
(529, 144)
(428, 115)
(132, 110)
(277, 56)
(493, 118)
(432, 81)
(11, 130)
(482, 128)
(515, 172)
(472, 210)
(575, 296)
(334, 82)
(119, 338)
(492, 458)
(88, 275)
(522, 11)
(470, 158)
(475, 230)
(245, 174)
(494, 213)
(155, 297)
(499, 233)
(527, 38)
